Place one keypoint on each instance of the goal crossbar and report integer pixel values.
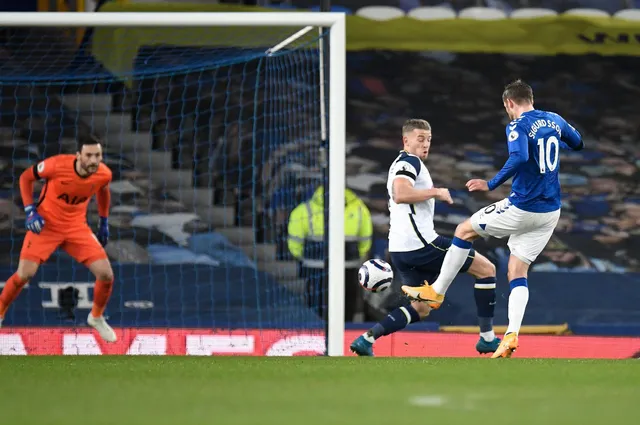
(171, 19)
(336, 106)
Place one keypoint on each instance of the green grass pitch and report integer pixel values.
(316, 390)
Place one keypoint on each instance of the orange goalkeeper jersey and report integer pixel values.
(65, 195)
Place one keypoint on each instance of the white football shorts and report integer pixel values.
(528, 232)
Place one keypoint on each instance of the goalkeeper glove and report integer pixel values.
(103, 231)
(34, 222)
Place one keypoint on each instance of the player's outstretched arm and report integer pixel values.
(571, 137)
(34, 221)
(405, 193)
(518, 155)
(27, 180)
(103, 197)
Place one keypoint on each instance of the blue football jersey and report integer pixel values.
(534, 142)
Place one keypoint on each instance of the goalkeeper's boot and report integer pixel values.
(508, 345)
(362, 347)
(485, 347)
(106, 332)
(424, 293)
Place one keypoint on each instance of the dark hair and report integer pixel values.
(519, 92)
(415, 123)
(89, 141)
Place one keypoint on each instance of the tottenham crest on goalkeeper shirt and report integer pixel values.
(375, 275)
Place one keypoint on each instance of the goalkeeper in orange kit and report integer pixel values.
(59, 219)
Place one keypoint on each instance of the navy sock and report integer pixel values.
(485, 294)
(396, 320)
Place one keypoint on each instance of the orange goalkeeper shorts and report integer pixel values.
(79, 242)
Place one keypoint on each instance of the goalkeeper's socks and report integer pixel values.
(517, 303)
(453, 261)
(397, 320)
(484, 292)
(10, 292)
(101, 293)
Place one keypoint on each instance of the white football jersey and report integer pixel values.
(411, 225)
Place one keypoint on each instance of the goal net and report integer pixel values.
(214, 133)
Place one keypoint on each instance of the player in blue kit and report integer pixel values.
(528, 216)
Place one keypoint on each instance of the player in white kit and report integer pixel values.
(417, 251)
(528, 216)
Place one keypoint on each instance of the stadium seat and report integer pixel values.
(630, 14)
(218, 247)
(334, 8)
(482, 13)
(587, 12)
(431, 13)
(282, 6)
(164, 254)
(532, 12)
(380, 13)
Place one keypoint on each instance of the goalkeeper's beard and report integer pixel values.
(89, 169)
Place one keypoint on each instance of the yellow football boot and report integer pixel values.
(424, 294)
(508, 345)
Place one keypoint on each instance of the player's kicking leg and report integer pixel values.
(454, 260)
(496, 220)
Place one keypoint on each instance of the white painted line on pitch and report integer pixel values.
(442, 402)
(428, 401)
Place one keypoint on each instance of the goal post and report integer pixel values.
(334, 112)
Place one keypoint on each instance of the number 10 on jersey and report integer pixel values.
(545, 154)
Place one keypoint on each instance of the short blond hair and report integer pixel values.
(415, 124)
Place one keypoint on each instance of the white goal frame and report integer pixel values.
(337, 104)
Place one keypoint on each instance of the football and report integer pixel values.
(375, 275)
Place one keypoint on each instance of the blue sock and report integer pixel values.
(396, 320)
(461, 243)
(520, 281)
(484, 293)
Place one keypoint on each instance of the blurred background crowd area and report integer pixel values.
(259, 158)
(460, 95)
